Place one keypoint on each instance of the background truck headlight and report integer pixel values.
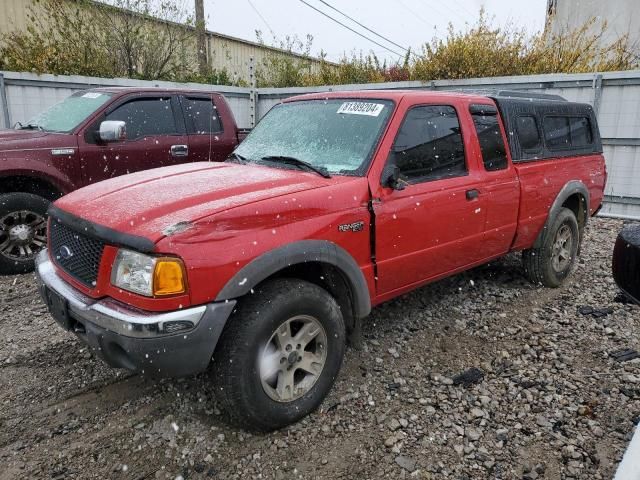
(147, 275)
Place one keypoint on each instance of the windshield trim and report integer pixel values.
(361, 171)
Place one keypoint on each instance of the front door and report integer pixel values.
(155, 138)
(434, 225)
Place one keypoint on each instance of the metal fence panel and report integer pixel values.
(28, 94)
(614, 95)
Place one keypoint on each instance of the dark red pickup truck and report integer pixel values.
(263, 265)
(83, 140)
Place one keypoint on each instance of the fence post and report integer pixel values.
(5, 106)
(597, 93)
(253, 94)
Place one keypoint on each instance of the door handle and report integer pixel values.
(179, 150)
(472, 194)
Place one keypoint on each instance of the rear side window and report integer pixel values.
(146, 117)
(566, 132)
(580, 132)
(485, 119)
(429, 145)
(556, 132)
(528, 133)
(202, 116)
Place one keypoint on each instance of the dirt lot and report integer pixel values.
(552, 402)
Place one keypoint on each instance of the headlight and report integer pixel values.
(147, 275)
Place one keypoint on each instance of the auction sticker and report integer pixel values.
(361, 108)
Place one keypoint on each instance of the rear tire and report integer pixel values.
(22, 231)
(552, 263)
(279, 355)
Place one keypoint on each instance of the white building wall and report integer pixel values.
(622, 17)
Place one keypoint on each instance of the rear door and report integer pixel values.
(209, 137)
(501, 186)
(156, 137)
(436, 223)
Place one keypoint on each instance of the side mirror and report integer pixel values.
(391, 177)
(112, 131)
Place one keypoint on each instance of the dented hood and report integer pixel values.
(156, 203)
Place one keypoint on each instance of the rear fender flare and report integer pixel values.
(295, 253)
(571, 188)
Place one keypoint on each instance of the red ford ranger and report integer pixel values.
(94, 135)
(263, 265)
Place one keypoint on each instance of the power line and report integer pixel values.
(444, 4)
(262, 18)
(363, 26)
(414, 13)
(463, 6)
(350, 29)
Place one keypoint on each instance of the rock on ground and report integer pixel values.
(552, 402)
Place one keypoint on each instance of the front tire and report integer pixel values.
(552, 263)
(279, 355)
(23, 231)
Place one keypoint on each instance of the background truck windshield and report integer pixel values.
(68, 114)
(338, 135)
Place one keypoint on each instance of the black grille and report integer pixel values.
(78, 254)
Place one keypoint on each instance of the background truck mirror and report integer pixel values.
(112, 131)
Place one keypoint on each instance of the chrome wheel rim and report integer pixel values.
(293, 359)
(562, 247)
(23, 234)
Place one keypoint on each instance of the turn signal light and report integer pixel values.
(168, 277)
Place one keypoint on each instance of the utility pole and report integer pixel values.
(203, 66)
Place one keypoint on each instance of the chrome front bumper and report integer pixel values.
(172, 343)
(113, 315)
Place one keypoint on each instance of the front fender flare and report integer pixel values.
(295, 253)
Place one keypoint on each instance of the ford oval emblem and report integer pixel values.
(65, 252)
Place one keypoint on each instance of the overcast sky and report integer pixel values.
(408, 23)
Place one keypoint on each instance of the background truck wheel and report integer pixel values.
(23, 231)
(279, 355)
(550, 264)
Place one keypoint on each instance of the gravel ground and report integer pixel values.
(549, 400)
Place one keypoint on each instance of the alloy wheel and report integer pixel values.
(293, 358)
(23, 234)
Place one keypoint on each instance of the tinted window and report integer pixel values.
(556, 132)
(528, 133)
(580, 131)
(203, 116)
(492, 146)
(146, 117)
(429, 145)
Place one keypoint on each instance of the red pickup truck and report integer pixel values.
(262, 266)
(94, 135)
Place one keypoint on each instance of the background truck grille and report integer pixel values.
(77, 254)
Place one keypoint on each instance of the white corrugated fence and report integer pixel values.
(614, 95)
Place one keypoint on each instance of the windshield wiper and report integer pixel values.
(237, 157)
(30, 126)
(296, 161)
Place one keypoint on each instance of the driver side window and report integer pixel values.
(429, 145)
(146, 117)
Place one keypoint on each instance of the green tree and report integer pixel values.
(147, 39)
